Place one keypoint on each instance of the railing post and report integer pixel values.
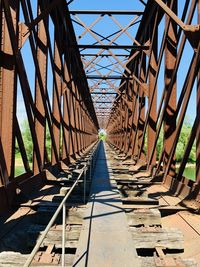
(91, 160)
(84, 184)
(63, 234)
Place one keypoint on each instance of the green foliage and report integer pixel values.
(19, 170)
(102, 136)
(159, 145)
(28, 143)
(17, 151)
(183, 139)
(48, 142)
(145, 143)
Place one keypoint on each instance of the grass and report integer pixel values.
(190, 173)
(19, 170)
(19, 166)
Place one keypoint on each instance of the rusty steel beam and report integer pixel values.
(43, 14)
(57, 95)
(67, 142)
(75, 106)
(102, 55)
(106, 47)
(173, 77)
(106, 12)
(198, 122)
(65, 113)
(40, 118)
(183, 102)
(102, 93)
(170, 116)
(108, 77)
(8, 86)
(142, 103)
(28, 100)
(168, 112)
(44, 101)
(152, 93)
(170, 13)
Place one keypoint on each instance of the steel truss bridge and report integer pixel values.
(69, 73)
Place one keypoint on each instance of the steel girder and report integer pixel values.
(54, 102)
(139, 116)
(69, 89)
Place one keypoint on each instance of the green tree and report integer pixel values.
(16, 148)
(48, 142)
(102, 135)
(181, 145)
(159, 144)
(28, 143)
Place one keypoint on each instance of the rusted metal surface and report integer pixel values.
(170, 60)
(126, 81)
(65, 112)
(40, 90)
(165, 107)
(8, 85)
(198, 121)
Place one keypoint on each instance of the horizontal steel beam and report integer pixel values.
(106, 47)
(104, 55)
(106, 12)
(102, 102)
(108, 77)
(102, 93)
(99, 108)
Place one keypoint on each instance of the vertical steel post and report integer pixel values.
(84, 186)
(8, 87)
(56, 123)
(135, 118)
(40, 88)
(90, 166)
(72, 121)
(152, 95)
(142, 108)
(198, 111)
(67, 131)
(170, 117)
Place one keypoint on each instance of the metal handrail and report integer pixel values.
(54, 217)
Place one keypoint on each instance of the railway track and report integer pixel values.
(23, 227)
(164, 230)
(164, 222)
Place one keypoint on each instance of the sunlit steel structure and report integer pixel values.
(100, 84)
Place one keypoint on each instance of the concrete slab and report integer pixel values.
(105, 238)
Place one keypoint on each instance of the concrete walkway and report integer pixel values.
(105, 240)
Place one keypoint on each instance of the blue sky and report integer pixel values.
(105, 29)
